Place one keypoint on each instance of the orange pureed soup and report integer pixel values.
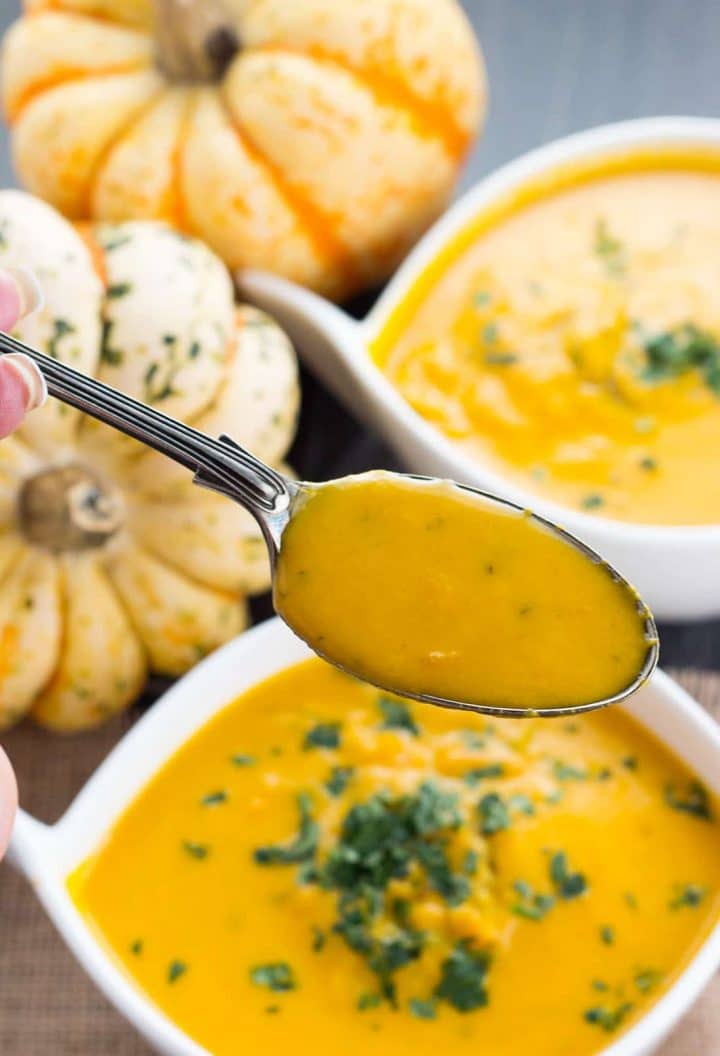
(326, 869)
(569, 337)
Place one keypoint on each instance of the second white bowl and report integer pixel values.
(676, 569)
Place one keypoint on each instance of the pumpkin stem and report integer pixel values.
(68, 508)
(195, 40)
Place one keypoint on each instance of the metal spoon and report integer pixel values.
(224, 466)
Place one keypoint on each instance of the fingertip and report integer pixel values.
(8, 801)
(20, 294)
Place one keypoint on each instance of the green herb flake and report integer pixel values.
(324, 735)
(199, 851)
(118, 289)
(470, 863)
(367, 1001)
(672, 353)
(593, 501)
(521, 804)
(176, 969)
(239, 759)
(277, 976)
(340, 778)
(319, 940)
(61, 327)
(566, 772)
(687, 896)
(608, 1019)
(137, 947)
(530, 905)
(630, 762)
(482, 773)
(567, 884)
(607, 935)
(397, 716)
(494, 814)
(490, 333)
(693, 800)
(600, 986)
(610, 250)
(463, 978)
(646, 979)
(301, 848)
(214, 799)
(422, 1009)
(648, 464)
(501, 359)
(482, 298)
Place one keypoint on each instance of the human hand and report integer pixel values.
(22, 388)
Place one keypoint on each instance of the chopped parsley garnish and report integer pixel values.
(301, 848)
(687, 896)
(368, 1001)
(61, 327)
(490, 333)
(649, 464)
(607, 934)
(470, 863)
(340, 777)
(566, 772)
(500, 359)
(118, 289)
(610, 250)
(482, 298)
(463, 979)
(319, 940)
(324, 735)
(175, 970)
(481, 773)
(672, 353)
(521, 803)
(422, 1009)
(567, 884)
(630, 900)
(530, 905)
(693, 800)
(214, 799)
(494, 815)
(593, 501)
(600, 986)
(608, 1019)
(196, 850)
(397, 716)
(136, 947)
(239, 759)
(646, 979)
(630, 762)
(277, 976)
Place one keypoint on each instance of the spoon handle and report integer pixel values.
(221, 464)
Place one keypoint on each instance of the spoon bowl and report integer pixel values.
(274, 501)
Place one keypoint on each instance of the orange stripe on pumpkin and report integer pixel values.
(321, 227)
(430, 120)
(64, 76)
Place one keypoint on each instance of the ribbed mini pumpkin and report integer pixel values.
(112, 563)
(313, 138)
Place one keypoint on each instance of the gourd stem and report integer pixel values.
(221, 464)
(195, 40)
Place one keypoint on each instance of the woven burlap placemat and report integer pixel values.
(47, 1005)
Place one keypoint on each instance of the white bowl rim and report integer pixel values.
(620, 136)
(42, 851)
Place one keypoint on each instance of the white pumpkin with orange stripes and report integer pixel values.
(112, 563)
(316, 138)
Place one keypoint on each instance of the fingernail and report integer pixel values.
(29, 290)
(31, 378)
